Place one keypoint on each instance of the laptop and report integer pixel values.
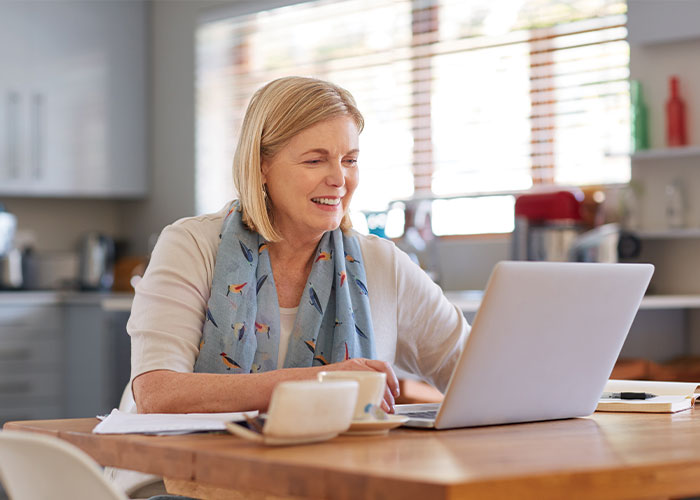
(542, 345)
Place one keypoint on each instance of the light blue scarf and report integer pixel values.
(241, 332)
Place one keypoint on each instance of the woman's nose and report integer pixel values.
(336, 175)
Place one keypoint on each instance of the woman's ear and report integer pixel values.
(264, 168)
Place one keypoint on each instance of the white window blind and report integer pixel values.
(460, 97)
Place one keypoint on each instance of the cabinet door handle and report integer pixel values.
(37, 135)
(13, 139)
(14, 387)
(17, 354)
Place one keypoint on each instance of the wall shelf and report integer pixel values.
(670, 302)
(666, 153)
(669, 234)
(469, 301)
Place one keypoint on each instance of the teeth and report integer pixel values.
(326, 201)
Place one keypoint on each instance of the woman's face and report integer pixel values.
(310, 181)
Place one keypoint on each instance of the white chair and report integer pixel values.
(41, 467)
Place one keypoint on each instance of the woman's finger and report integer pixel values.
(386, 408)
(391, 381)
(389, 399)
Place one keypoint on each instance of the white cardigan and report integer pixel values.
(415, 328)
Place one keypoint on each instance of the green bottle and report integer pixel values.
(638, 118)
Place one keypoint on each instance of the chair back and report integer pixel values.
(39, 467)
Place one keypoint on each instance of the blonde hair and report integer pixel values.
(276, 113)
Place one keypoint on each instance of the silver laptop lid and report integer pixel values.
(543, 343)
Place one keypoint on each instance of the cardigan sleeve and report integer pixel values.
(170, 302)
(431, 330)
(416, 328)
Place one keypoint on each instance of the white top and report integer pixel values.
(415, 327)
(287, 317)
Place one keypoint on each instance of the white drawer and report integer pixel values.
(39, 317)
(24, 333)
(26, 355)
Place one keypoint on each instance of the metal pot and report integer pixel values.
(550, 240)
(96, 262)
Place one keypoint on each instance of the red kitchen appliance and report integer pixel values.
(547, 225)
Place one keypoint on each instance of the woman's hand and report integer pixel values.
(373, 365)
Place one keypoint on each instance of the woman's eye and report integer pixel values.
(351, 161)
(312, 162)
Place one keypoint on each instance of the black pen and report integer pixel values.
(627, 395)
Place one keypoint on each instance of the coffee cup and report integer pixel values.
(371, 386)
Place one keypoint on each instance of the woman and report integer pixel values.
(276, 286)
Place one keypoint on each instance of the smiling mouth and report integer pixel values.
(326, 201)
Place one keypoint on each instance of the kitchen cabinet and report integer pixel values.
(655, 172)
(31, 362)
(73, 99)
(100, 348)
(61, 355)
(662, 21)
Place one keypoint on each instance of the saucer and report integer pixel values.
(372, 427)
(292, 440)
(273, 440)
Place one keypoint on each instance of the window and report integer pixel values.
(475, 99)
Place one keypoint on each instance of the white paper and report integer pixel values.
(164, 424)
(654, 387)
(651, 401)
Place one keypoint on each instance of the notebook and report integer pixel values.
(542, 345)
(658, 404)
(668, 397)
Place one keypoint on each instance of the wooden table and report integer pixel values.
(604, 456)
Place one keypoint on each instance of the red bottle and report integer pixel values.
(675, 116)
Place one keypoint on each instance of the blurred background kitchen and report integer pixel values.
(530, 129)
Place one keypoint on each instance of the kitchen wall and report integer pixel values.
(173, 144)
(172, 130)
(173, 141)
(172, 97)
(58, 223)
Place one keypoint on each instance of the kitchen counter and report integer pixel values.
(110, 301)
(469, 300)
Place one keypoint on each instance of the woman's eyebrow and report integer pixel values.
(316, 150)
(325, 151)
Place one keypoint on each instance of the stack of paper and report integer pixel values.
(164, 424)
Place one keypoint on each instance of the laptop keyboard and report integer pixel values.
(430, 414)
